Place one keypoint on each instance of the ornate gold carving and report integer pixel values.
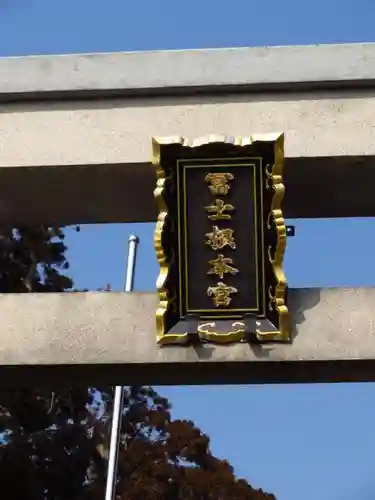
(221, 294)
(220, 238)
(274, 180)
(268, 175)
(218, 208)
(221, 265)
(276, 297)
(219, 182)
(166, 302)
(271, 298)
(209, 332)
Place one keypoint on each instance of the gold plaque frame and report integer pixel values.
(274, 296)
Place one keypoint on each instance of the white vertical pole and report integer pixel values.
(130, 269)
(110, 491)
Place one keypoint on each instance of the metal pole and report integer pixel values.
(110, 491)
(129, 278)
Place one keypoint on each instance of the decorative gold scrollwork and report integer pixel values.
(209, 332)
(205, 327)
(268, 169)
(271, 298)
(269, 226)
(270, 256)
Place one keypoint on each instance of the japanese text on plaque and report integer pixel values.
(220, 238)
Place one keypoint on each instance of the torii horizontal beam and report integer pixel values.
(111, 338)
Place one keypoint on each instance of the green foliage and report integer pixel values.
(48, 450)
(54, 442)
(31, 260)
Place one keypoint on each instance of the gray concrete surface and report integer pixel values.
(186, 70)
(92, 151)
(316, 124)
(103, 146)
(110, 337)
(318, 187)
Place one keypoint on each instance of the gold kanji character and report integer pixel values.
(221, 294)
(219, 238)
(219, 182)
(218, 208)
(221, 266)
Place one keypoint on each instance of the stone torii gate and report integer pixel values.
(75, 147)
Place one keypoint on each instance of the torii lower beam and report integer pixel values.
(105, 337)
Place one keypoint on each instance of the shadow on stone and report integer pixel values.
(204, 351)
(299, 301)
(261, 351)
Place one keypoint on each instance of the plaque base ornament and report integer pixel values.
(220, 239)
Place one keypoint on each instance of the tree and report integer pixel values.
(54, 441)
(167, 459)
(31, 260)
(46, 449)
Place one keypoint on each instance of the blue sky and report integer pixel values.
(299, 442)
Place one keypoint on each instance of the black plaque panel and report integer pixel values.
(195, 222)
(220, 241)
